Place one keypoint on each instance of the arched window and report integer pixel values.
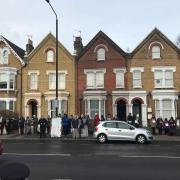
(101, 54)
(156, 52)
(50, 56)
(5, 57)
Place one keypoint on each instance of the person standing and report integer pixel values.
(1, 125)
(65, 124)
(166, 126)
(21, 125)
(75, 125)
(96, 120)
(35, 123)
(28, 125)
(43, 124)
(172, 126)
(130, 119)
(160, 125)
(48, 125)
(153, 124)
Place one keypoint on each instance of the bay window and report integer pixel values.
(7, 81)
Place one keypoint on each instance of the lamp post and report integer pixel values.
(56, 100)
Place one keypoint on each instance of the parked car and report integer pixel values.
(119, 130)
(1, 147)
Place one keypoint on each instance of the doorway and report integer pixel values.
(32, 108)
(121, 110)
(137, 108)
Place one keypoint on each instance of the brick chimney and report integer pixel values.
(78, 46)
(29, 46)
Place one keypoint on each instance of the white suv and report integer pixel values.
(119, 130)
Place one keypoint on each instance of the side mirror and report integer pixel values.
(131, 128)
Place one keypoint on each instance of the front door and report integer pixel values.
(137, 109)
(32, 108)
(121, 110)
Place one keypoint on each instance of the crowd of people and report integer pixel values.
(164, 126)
(80, 126)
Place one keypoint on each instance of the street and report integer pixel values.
(88, 160)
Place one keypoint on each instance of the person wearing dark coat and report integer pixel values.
(21, 125)
(65, 124)
(43, 124)
(130, 119)
(172, 126)
(159, 125)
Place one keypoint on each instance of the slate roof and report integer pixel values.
(19, 51)
(110, 41)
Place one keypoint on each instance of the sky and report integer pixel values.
(126, 22)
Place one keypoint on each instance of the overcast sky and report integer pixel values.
(126, 22)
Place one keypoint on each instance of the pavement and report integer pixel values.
(16, 136)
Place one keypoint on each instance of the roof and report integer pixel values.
(97, 36)
(150, 35)
(16, 50)
(50, 35)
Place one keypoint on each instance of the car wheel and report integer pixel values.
(141, 139)
(102, 138)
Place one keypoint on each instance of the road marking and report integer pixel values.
(19, 154)
(166, 157)
(85, 155)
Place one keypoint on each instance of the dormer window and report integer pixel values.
(156, 52)
(101, 54)
(50, 56)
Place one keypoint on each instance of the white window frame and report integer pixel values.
(140, 70)
(95, 84)
(50, 55)
(8, 81)
(61, 80)
(30, 73)
(156, 52)
(101, 54)
(4, 60)
(164, 79)
(7, 103)
(119, 72)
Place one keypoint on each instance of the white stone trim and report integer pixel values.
(7, 99)
(101, 46)
(155, 42)
(141, 69)
(163, 68)
(165, 94)
(129, 96)
(59, 72)
(33, 72)
(36, 96)
(51, 95)
(116, 70)
(9, 70)
(94, 70)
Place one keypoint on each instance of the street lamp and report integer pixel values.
(56, 100)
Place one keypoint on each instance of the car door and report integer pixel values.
(125, 131)
(111, 130)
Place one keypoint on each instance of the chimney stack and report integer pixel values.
(78, 46)
(29, 46)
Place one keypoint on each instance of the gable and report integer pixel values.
(49, 42)
(16, 51)
(155, 37)
(101, 39)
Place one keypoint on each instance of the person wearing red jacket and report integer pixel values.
(96, 120)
